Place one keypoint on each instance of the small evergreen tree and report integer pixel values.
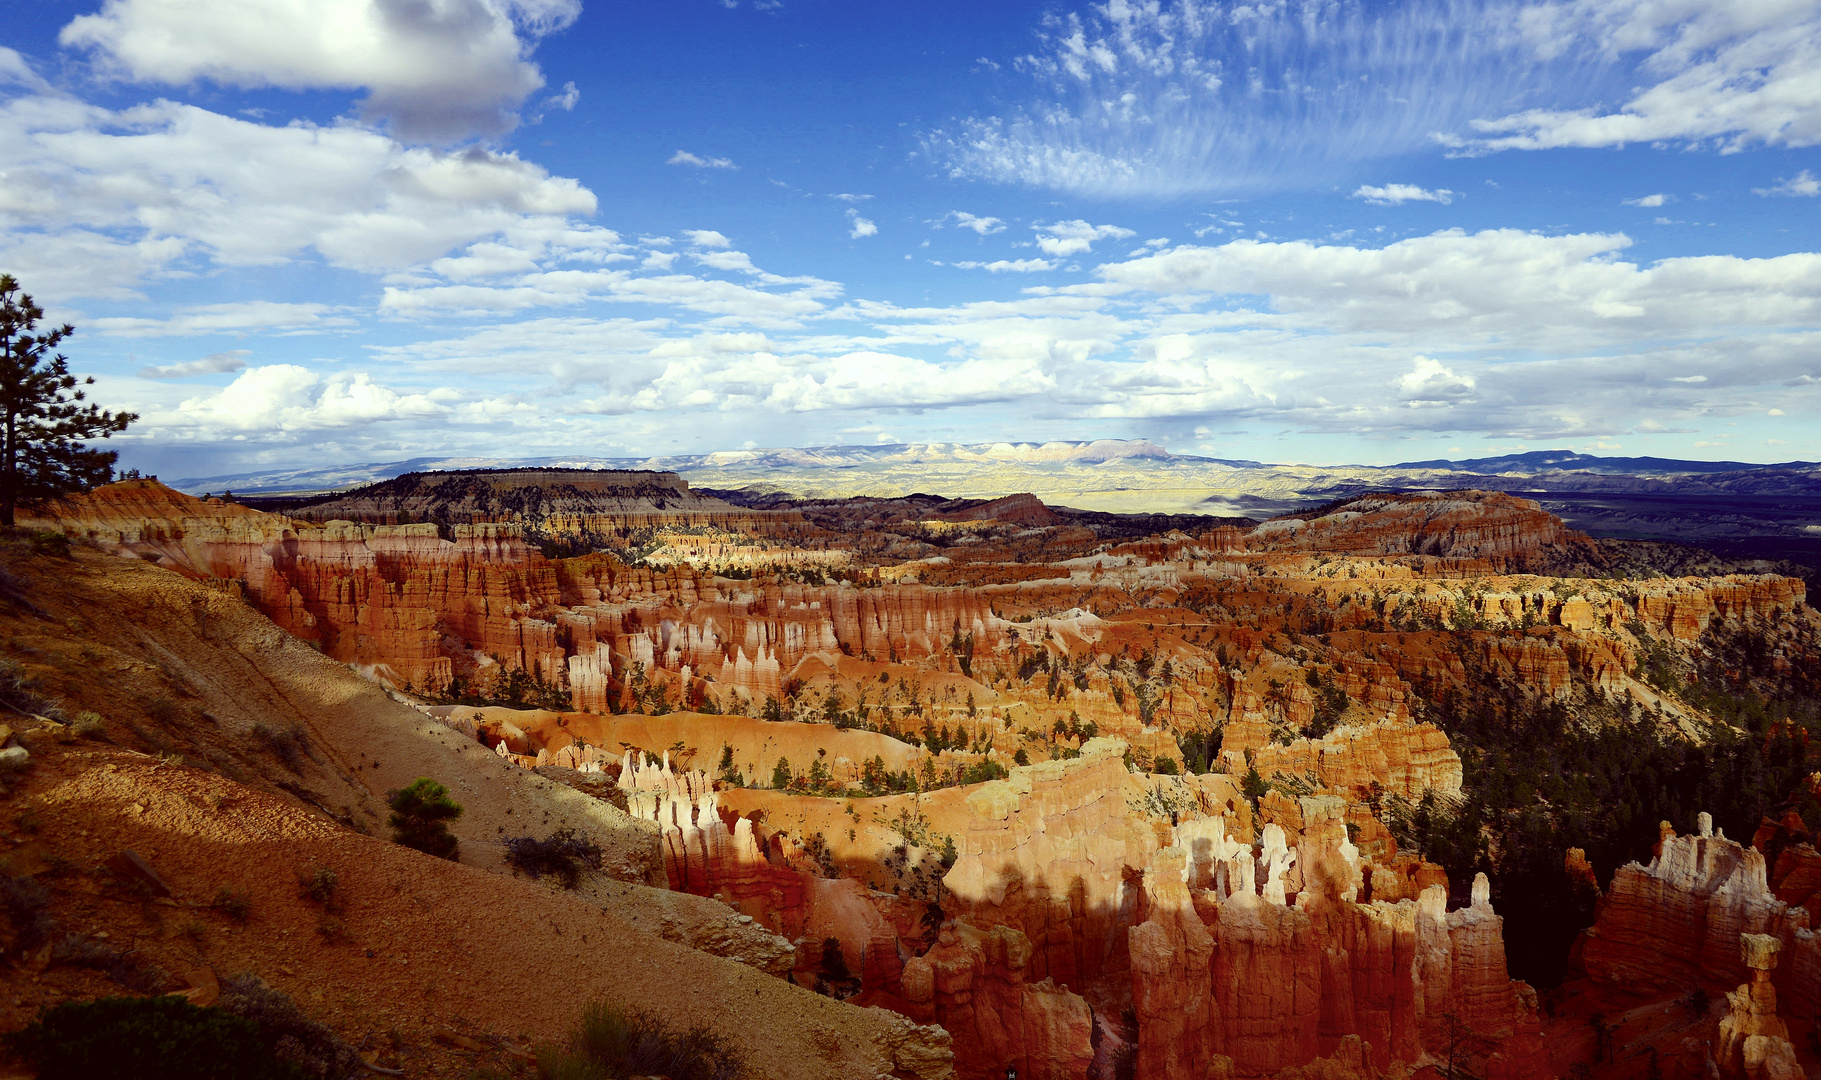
(420, 816)
(42, 428)
(780, 774)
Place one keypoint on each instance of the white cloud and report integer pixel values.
(1397, 194)
(684, 157)
(287, 398)
(1507, 334)
(984, 226)
(860, 226)
(101, 201)
(14, 71)
(1717, 73)
(1183, 97)
(1647, 200)
(237, 318)
(850, 198)
(1179, 97)
(1504, 333)
(1804, 184)
(1013, 266)
(566, 100)
(725, 299)
(1429, 381)
(212, 364)
(435, 70)
(1064, 238)
(1539, 291)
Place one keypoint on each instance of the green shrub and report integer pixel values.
(321, 885)
(161, 1038)
(612, 1043)
(1164, 766)
(564, 854)
(296, 1038)
(54, 544)
(420, 816)
(236, 904)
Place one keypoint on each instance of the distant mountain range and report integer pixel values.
(785, 461)
(1538, 461)
(1738, 508)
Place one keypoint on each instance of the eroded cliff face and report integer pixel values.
(1498, 530)
(1082, 895)
(421, 609)
(418, 610)
(1255, 917)
(1700, 922)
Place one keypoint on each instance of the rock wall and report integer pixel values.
(417, 609)
(1702, 915)
(1675, 923)
(1404, 758)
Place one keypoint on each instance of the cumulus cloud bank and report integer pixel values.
(433, 70)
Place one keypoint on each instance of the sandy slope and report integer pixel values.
(117, 636)
(423, 945)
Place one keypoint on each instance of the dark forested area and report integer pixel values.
(1599, 773)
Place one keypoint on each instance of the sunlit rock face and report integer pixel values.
(1096, 803)
(1675, 924)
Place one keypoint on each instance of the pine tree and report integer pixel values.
(42, 426)
(420, 816)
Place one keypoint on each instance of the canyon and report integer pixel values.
(1094, 797)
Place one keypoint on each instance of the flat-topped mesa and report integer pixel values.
(583, 505)
(1021, 509)
(1500, 531)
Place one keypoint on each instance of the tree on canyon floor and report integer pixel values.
(43, 425)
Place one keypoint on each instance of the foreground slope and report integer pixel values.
(412, 946)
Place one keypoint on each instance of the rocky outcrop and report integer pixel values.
(590, 506)
(1676, 923)
(974, 983)
(1753, 1042)
(1404, 758)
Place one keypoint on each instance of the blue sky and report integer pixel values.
(301, 233)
